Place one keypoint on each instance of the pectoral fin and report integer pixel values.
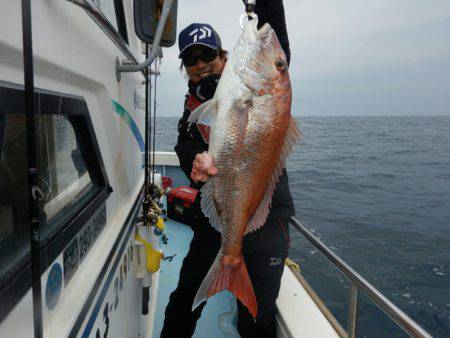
(205, 113)
(209, 205)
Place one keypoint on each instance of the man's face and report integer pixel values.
(201, 61)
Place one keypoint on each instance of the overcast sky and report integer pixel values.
(381, 57)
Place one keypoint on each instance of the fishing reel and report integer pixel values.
(155, 217)
(153, 213)
(155, 192)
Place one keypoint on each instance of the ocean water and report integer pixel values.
(376, 190)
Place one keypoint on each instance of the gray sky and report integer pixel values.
(381, 57)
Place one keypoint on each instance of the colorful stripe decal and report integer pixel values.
(122, 112)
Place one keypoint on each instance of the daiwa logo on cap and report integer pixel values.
(198, 33)
(204, 32)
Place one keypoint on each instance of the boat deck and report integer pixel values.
(208, 325)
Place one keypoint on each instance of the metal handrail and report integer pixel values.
(155, 44)
(359, 283)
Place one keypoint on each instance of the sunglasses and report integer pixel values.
(206, 55)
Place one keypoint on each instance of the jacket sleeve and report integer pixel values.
(272, 12)
(188, 145)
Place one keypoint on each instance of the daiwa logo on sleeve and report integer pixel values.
(200, 33)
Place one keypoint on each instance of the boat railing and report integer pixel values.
(360, 284)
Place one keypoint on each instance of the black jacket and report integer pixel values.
(190, 141)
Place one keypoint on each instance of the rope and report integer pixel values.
(290, 263)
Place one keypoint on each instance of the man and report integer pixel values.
(265, 249)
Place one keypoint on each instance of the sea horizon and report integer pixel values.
(387, 115)
(377, 192)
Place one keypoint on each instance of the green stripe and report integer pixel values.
(122, 112)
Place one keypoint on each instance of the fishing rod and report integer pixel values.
(151, 206)
(146, 145)
(33, 199)
(156, 73)
(152, 211)
(147, 150)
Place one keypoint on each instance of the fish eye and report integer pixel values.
(280, 64)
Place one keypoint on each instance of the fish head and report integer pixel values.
(260, 62)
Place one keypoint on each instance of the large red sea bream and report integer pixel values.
(252, 133)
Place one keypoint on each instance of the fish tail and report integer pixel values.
(228, 273)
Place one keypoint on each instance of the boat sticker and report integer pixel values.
(119, 259)
(139, 100)
(54, 286)
(76, 250)
(122, 112)
(115, 277)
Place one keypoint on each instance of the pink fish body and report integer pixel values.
(252, 132)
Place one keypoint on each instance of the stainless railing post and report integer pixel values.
(353, 311)
(397, 315)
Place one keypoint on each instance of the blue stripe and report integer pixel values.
(98, 304)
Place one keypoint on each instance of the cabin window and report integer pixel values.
(113, 10)
(65, 183)
(63, 176)
(72, 183)
(14, 220)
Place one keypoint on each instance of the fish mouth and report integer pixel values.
(264, 31)
(253, 34)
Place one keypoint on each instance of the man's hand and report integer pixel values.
(203, 167)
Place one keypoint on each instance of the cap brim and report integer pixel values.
(197, 43)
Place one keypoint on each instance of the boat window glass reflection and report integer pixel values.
(113, 10)
(64, 180)
(14, 220)
(65, 184)
(107, 7)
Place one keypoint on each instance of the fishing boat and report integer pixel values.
(86, 249)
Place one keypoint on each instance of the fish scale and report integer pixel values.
(251, 134)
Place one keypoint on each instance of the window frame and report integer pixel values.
(76, 110)
(121, 20)
(119, 12)
(2, 126)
